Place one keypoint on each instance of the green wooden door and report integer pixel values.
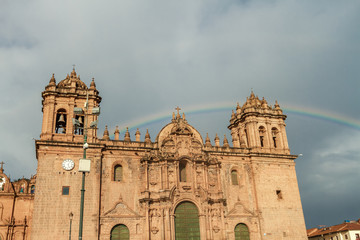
(187, 225)
(241, 232)
(120, 232)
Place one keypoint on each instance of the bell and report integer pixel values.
(80, 120)
(61, 120)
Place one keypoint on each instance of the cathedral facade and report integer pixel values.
(176, 186)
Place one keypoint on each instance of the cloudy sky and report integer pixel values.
(147, 57)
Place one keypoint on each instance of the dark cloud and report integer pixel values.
(149, 58)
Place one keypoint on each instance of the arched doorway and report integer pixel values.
(242, 232)
(120, 232)
(187, 225)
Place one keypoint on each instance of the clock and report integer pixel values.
(68, 164)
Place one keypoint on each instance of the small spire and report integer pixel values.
(277, 106)
(73, 73)
(2, 167)
(232, 115)
(137, 135)
(207, 141)
(92, 84)
(52, 80)
(183, 116)
(117, 133)
(106, 134)
(173, 116)
(264, 103)
(127, 135)
(147, 136)
(252, 95)
(217, 141)
(225, 142)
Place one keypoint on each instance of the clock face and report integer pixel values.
(68, 164)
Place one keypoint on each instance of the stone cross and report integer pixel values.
(2, 163)
(178, 109)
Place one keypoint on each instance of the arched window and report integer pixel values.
(120, 232)
(60, 123)
(234, 177)
(79, 129)
(187, 221)
(274, 133)
(32, 189)
(182, 171)
(262, 135)
(118, 173)
(242, 232)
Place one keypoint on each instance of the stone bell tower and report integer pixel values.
(59, 101)
(258, 126)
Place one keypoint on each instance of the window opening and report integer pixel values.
(32, 189)
(234, 177)
(262, 141)
(261, 133)
(279, 194)
(79, 130)
(60, 123)
(274, 133)
(118, 173)
(65, 190)
(182, 171)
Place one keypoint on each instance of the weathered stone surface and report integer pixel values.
(253, 182)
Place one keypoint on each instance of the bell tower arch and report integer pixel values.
(58, 105)
(259, 126)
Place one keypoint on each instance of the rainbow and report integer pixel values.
(227, 107)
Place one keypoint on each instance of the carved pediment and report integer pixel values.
(121, 210)
(239, 210)
(181, 129)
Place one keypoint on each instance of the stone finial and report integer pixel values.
(232, 115)
(277, 106)
(92, 84)
(2, 167)
(207, 141)
(52, 80)
(252, 95)
(147, 136)
(73, 73)
(183, 116)
(137, 135)
(238, 108)
(173, 116)
(226, 142)
(127, 135)
(264, 103)
(217, 141)
(117, 133)
(106, 134)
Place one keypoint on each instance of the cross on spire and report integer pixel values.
(178, 109)
(2, 163)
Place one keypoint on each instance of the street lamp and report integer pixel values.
(71, 217)
(84, 164)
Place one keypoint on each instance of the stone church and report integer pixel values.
(174, 186)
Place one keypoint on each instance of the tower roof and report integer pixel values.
(71, 81)
(178, 126)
